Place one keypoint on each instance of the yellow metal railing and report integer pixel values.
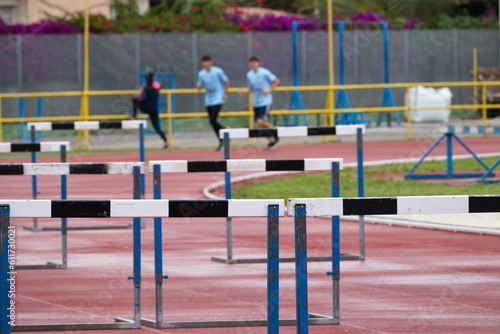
(329, 111)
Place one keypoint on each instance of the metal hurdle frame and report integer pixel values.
(92, 125)
(272, 259)
(252, 165)
(401, 205)
(450, 134)
(56, 146)
(33, 147)
(297, 131)
(65, 169)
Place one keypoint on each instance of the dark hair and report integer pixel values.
(150, 78)
(206, 58)
(254, 59)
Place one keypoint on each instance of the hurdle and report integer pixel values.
(449, 135)
(73, 209)
(400, 205)
(272, 209)
(64, 169)
(96, 125)
(298, 131)
(33, 148)
(252, 165)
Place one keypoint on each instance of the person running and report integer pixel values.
(261, 82)
(216, 83)
(147, 102)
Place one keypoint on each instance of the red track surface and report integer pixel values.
(413, 280)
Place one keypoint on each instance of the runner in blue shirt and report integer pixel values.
(261, 82)
(216, 83)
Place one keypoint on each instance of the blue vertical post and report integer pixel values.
(361, 190)
(302, 308)
(5, 326)
(39, 107)
(273, 260)
(22, 114)
(227, 180)
(142, 158)
(449, 154)
(34, 187)
(335, 273)
(158, 247)
(64, 221)
(137, 248)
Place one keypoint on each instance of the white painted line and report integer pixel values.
(235, 133)
(321, 164)
(246, 165)
(124, 167)
(408, 205)
(40, 126)
(55, 168)
(53, 146)
(29, 208)
(5, 147)
(295, 131)
(341, 130)
(87, 125)
(317, 206)
(253, 208)
(139, 208)
(170, 166)
(135, 124)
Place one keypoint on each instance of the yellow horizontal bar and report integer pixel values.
(280, 89)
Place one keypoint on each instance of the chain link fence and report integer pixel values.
(41, 63)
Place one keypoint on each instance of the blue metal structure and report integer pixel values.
(273, 273)
(335, 273)
(342, 98)
(227, 181)
(302, 307)
(449, 136)
(296, 102)
(489, 172)
(161, 103)
(5, 321)
(22, 114)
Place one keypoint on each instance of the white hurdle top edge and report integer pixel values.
(294, 131)
(403, 205)
(142, 208)
(44, 146)
(244, 165)
(65, 168)
(87, 125)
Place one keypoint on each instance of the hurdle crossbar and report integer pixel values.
(251, 165)
(64, 169)
(298, 131)
(44, 146)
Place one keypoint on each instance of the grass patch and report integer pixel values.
(319, 184)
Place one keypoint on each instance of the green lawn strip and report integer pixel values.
(319, 184)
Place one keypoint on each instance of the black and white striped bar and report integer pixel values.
(87, 125)
(48, 146)
(141, 208)
(293, 131)
(59, 168)
(244, 165)
(476, 130)
(404, 205)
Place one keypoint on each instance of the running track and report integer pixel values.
(413, 280)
